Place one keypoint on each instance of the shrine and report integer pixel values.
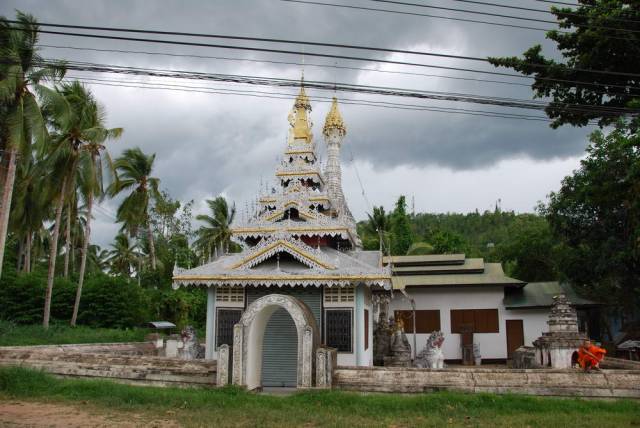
(301, 279)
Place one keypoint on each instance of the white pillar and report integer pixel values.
(210, 326)
(361, 356)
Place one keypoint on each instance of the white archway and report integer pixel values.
(248, 334)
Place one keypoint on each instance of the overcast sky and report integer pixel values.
(210, 144)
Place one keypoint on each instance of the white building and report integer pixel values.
(302, 280)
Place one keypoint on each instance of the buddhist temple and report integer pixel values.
(301, 269)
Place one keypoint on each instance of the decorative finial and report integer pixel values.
(334, 120)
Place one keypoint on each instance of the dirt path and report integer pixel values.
(57, 415)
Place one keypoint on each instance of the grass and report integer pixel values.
(58, 334)
(235, 407)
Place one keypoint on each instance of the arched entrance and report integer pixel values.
(248, 336)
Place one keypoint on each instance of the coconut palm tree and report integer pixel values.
(21, 72)
(79, 131)
(124, 255)
(30, 207)
(216, 231)
(133, 172)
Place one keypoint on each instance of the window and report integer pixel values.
(225, 320)
(338, 328)
(479, 320)
(427, 321)
(339, 294)
(230, 295)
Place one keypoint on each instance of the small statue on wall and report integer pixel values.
(432, 357)
(400, 348)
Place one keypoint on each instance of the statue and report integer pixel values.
(381, 338)
(400, 348)
(191, 348)
(431, 357)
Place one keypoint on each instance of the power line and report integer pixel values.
(449, 18)
(498, 15)
(279, 41)
(278, 82)
(505, 6)
(306, 64)
(355, 68)
(276, 95)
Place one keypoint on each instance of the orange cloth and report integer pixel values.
(585, 360)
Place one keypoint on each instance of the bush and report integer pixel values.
(113, 302)
(23, 298)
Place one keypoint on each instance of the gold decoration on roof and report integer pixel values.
(334, 120)
(301, 124)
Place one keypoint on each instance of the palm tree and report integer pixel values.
(97, 258)
(79, 131)
(216, 232)
(86, 131)
(134, 170)
(124, 255)
(30, 207)
(22, 122)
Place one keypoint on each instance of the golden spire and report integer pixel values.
(300, 120)
(334, 120)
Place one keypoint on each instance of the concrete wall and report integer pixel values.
(608, 383)
(492, 345)
(125, 363)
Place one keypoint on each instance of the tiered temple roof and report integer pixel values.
(301, 232)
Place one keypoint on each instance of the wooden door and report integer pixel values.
(515, 336)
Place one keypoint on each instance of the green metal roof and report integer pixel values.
(540, 295)
(425, 260)
(492, 275)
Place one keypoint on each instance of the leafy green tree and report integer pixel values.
(216, 231)
(401, 236)
(445, 242)
(134, 169)
(600, 44)
(596, 214)
(378, 226)
(529, 252)
(21, 119)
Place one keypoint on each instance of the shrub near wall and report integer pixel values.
(113, 302)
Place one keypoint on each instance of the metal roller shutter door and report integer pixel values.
(280, 343)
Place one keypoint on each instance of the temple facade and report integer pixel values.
(301, 279)
(302, 284)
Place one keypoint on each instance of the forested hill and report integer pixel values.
(522, 242)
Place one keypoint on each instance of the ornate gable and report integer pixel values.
(303, 253)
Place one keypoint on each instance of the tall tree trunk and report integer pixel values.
(27, 255)
(83, 260)
(52, 255)
(7, 193)
(152, 247)
(67, 244)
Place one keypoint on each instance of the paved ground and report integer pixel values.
(55, 415)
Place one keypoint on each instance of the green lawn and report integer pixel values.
(234, 407)
(58, 334)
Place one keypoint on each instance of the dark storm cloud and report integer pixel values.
(207, 144)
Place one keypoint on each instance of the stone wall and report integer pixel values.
(126, 363)
(607, 383)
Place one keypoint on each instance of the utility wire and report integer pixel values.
(449, 18)
(402, 3)
(306, 64)
(279, 41)
(607, 92)
(354, 88)
(290, 96)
